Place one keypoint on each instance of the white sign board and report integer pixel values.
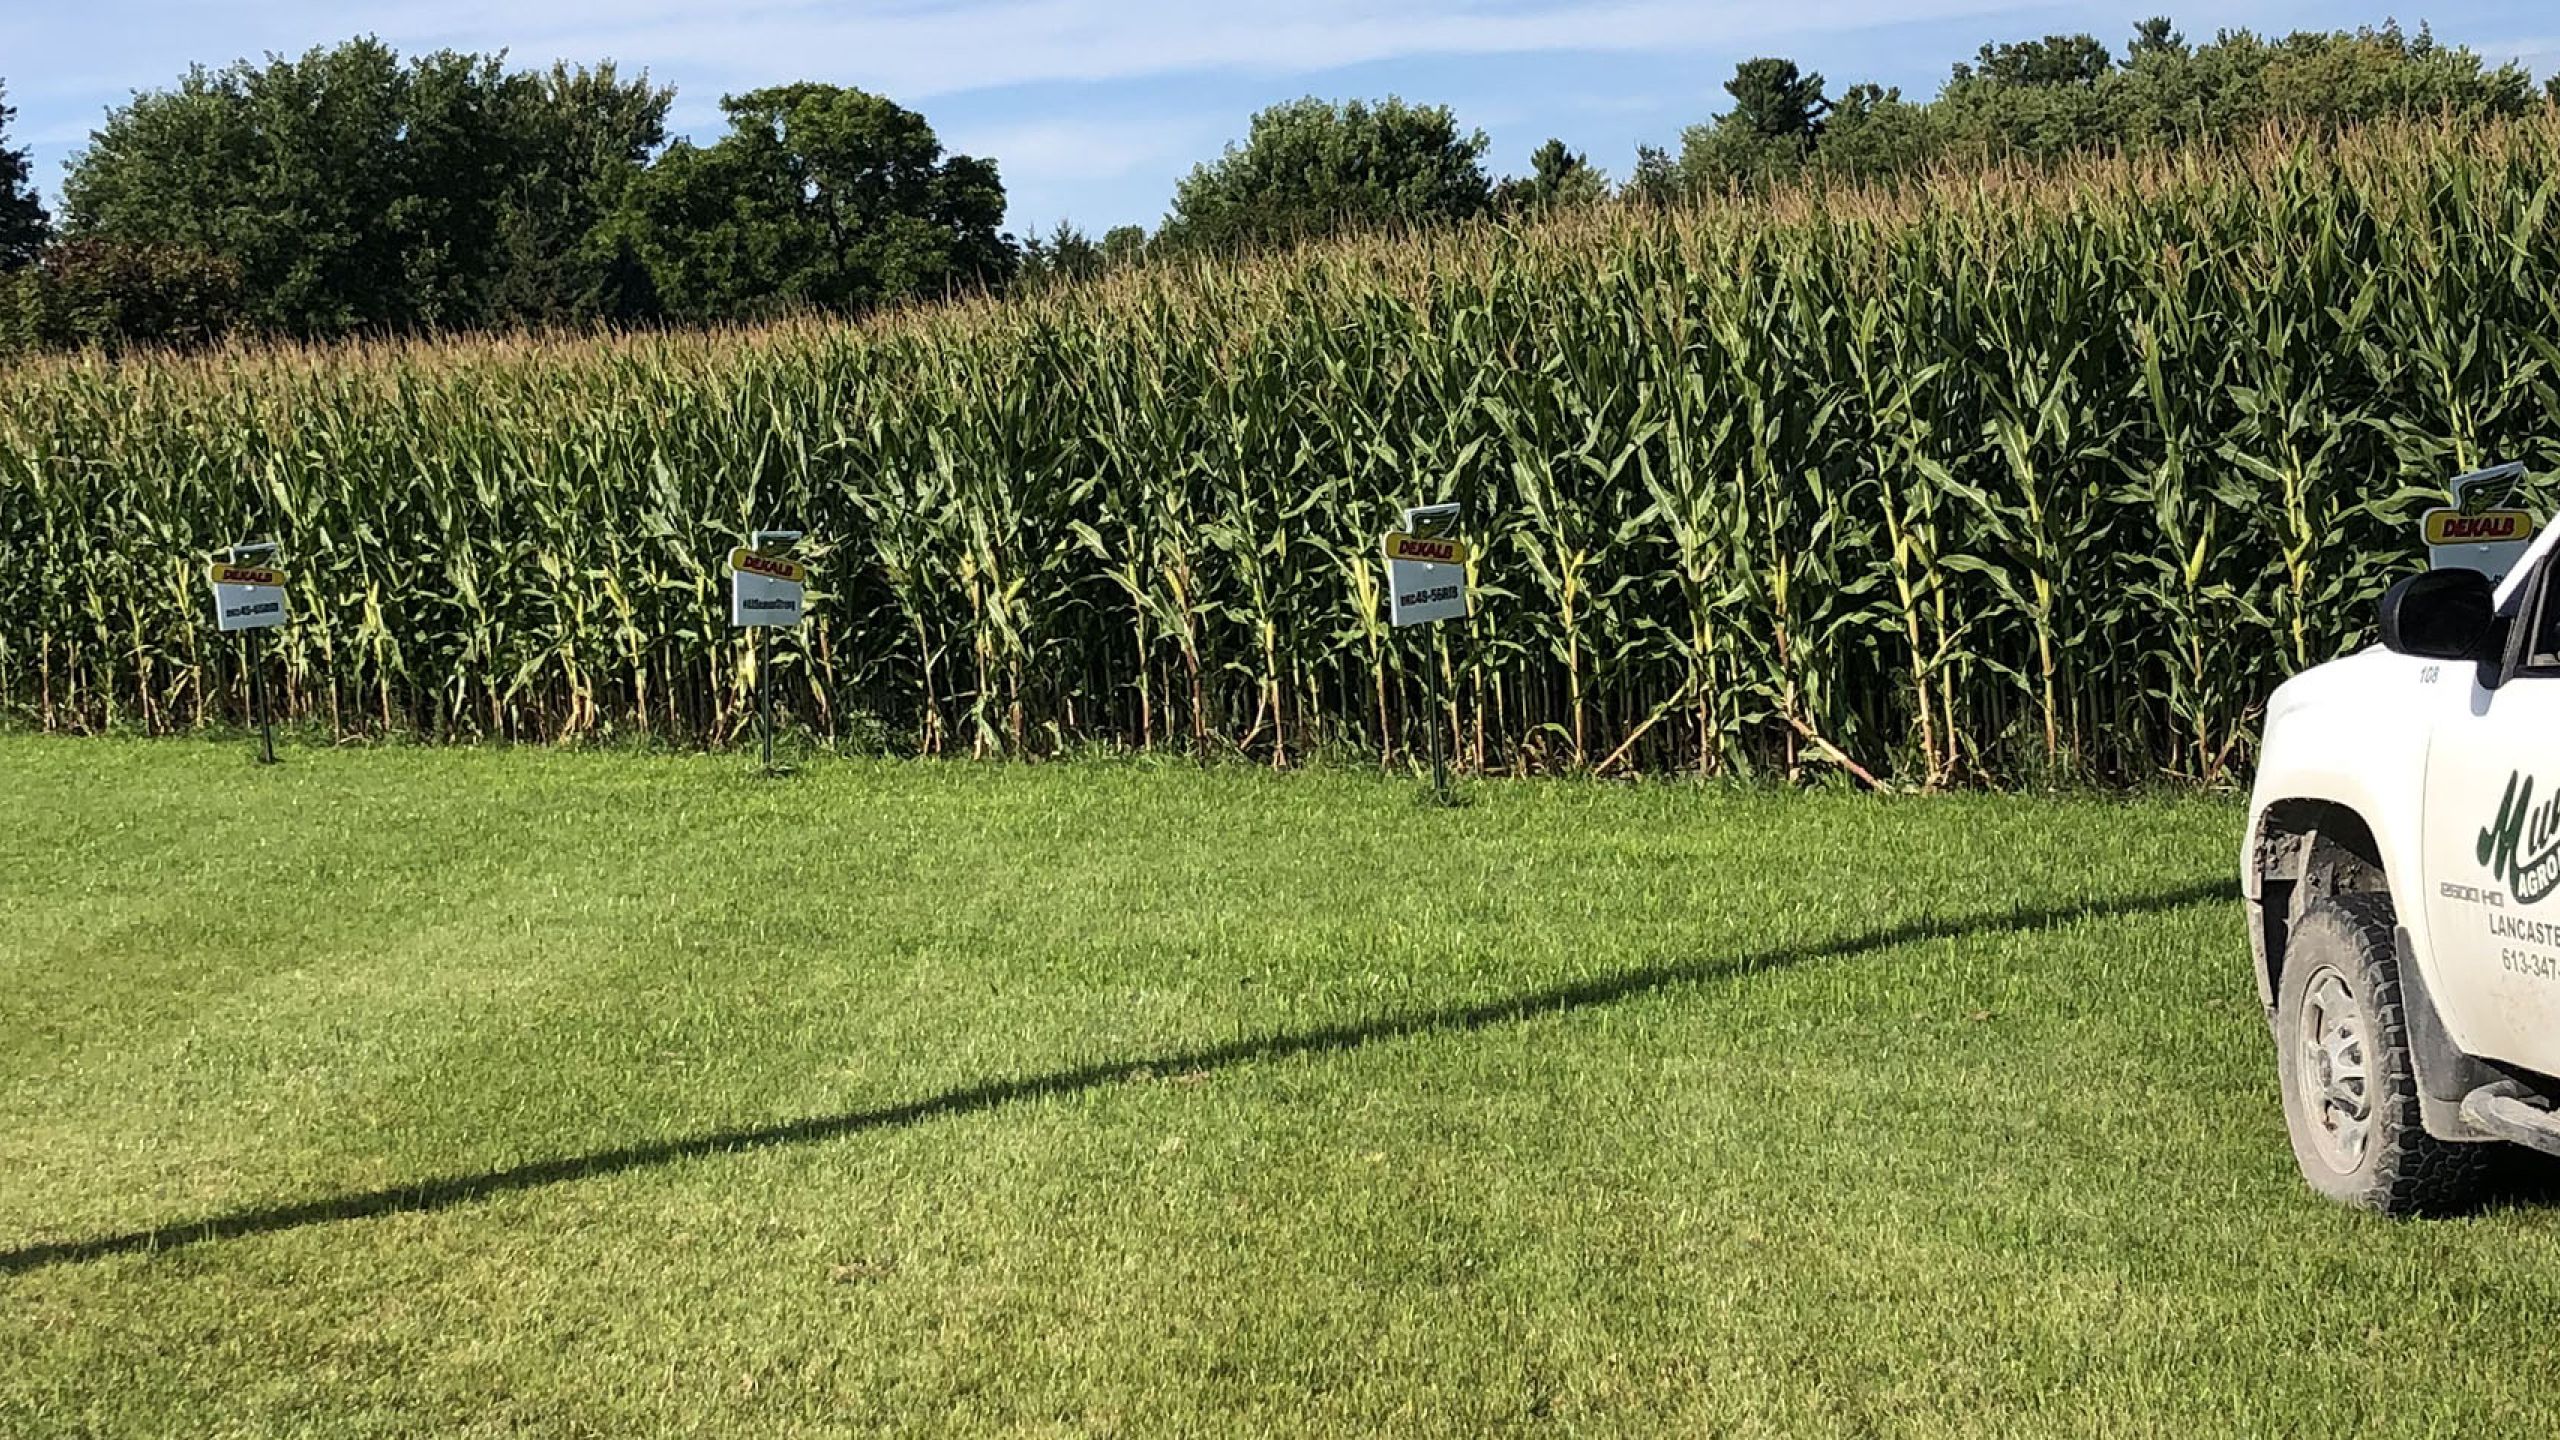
(247, 597)
(766, 589)
(1426, 579)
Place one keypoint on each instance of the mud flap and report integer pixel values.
(2445, 1075)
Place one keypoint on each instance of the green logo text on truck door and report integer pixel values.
(2522, 847)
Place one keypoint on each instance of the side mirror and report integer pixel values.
(2440, 615)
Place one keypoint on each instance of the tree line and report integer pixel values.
(2042, 99)
(354, 191)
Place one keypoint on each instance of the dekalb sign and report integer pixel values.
(2489, 541)
(1426, 580)
(2472, 534)
(1426, 567)
(247, 597)
(766, 589)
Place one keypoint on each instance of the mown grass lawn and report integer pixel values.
(509, 1092)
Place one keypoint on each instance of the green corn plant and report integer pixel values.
(1988, 476)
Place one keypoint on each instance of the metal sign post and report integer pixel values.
(765, 591)
(251, 597)
(1427, 583)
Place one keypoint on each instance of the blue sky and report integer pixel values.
(1093, 109)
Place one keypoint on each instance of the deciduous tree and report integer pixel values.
(357, 191)
(111, 294)
(818, 195)
(23, 222)
(1310, 166)
(1122, 244)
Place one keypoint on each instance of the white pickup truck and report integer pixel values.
(2402, 868)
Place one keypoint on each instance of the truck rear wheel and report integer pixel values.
(2350, 1087)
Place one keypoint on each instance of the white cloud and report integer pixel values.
(1118, 121)
(2536, 53)
(1069, 149)
(923, 50)
(915, 49)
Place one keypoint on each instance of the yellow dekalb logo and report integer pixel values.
(772, 567)
(2481, 527)
(1430, 552)
(228, 574)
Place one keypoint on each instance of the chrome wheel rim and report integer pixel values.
(2332, 1080)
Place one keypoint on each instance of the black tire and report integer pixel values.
(2341, 959)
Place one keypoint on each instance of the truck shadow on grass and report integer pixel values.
(450, 1191)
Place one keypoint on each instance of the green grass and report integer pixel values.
(513, 1092)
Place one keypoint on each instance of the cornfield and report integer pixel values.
(1997, 477)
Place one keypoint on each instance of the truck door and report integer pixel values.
(2492, 844)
